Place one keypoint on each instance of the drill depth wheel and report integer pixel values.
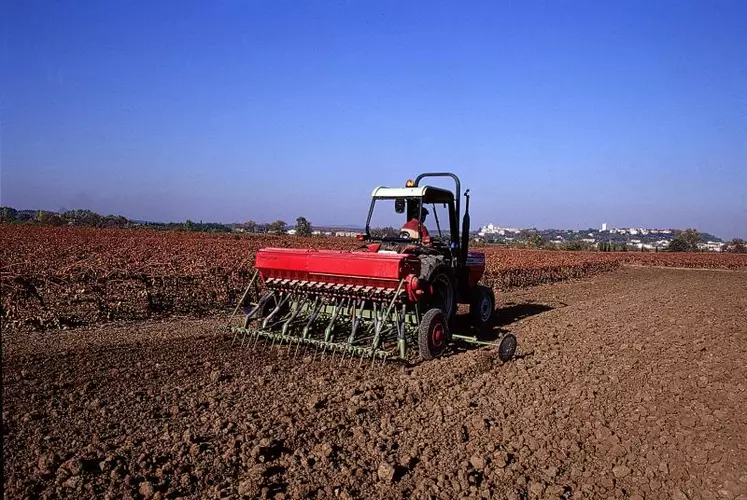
(433, 334)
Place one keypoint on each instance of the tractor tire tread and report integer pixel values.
(478, 294)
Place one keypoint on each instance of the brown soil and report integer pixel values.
(629, 385)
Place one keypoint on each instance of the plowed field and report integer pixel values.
(629, 384)
(68, 277)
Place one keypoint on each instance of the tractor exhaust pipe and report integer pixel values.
(465, 230)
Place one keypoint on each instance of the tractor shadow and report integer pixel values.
(502, 317)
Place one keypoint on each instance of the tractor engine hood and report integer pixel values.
(336, 266)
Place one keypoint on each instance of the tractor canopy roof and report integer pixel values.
(428, 194)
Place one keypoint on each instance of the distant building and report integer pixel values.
(711, 246)
(604, 226)
(491, 229)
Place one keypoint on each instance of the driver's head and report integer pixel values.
(424, 214)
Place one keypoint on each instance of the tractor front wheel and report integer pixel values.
(482, 308)
(433, 334)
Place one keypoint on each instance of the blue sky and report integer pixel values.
(554, 113)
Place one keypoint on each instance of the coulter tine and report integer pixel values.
(348, 358)
(342, 359)
(243, 297)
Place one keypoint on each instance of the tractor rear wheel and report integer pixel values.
(482, 307)
(433, 334)
(441, 279)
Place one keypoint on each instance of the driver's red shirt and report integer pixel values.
(412, 225)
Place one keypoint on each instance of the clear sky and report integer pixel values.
(555, 113)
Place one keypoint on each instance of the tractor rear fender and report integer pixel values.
(476, 266)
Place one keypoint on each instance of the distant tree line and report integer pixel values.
(737, 245)
(189, 225)
(303, 227)
(79, 217)
(685, 241)
(276, 227)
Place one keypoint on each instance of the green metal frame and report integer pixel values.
(359, 326)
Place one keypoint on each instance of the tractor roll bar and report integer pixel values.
(456, 193)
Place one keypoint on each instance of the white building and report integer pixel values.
(711, 246)
(501, 231)
(604, 226)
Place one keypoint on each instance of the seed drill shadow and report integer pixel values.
(515, 312)
(502, 317)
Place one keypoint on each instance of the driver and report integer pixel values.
(411, 226)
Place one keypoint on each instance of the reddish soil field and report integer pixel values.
(68, 277)
(629, 384)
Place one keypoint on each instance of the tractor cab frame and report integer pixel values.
(414, 197)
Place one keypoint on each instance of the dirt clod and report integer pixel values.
(386, 472)
(477, 462)
(620, 471)
(146, 489)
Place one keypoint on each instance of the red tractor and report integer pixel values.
(401, 287)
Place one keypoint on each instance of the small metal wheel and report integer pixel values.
(433, 334)
(507, 347)
(482, 308)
